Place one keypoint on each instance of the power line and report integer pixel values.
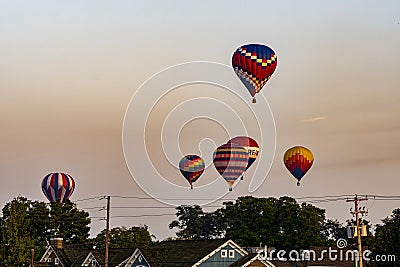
(155, 207)
(90, 198)
(313, 200)
(225, 199)
(134, 216)
(335, 196)
(306, 199)
(143, 215)
(382, 196)
(95, 208)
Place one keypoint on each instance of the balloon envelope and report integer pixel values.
(298, 160)
(58, 187)
(191, 167)
(250, 145)
(230, 160)
(254, 64)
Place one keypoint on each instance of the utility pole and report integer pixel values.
(32, 256)
(356, 212)
(107, 231)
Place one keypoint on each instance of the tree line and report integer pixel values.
(282, 223)
(27, 224)
(285, 224)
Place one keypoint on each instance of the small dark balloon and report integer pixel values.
(191, 167)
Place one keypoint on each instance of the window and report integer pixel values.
(231, 253)
(56, 261)
(224, 253)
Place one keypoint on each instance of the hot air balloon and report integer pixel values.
(254, 64)
(298, 161)
(191, 167)
(58, 186)
(231, 161)
(250, 145)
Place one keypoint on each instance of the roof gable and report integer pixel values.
(183, 253)
(47, 254)
(72, 255)
(50, 256)
(69, 255)
(229, 243)
(135, 260)
(116, 256)
(249, 259)
(90, 260)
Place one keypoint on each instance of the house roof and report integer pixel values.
(180, 253)
(247, 259)
(278, 263)
(75, 255)
(345, 261)
(72, 255)
(177, 253)
(44, 264)
(115, 256)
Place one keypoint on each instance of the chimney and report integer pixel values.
(57, 242)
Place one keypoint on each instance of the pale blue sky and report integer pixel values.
(68, 70)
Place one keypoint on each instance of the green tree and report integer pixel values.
(281, 223)
(250, 221)
(332, 230)
(122, 237)
(27, 224)
(17, 239)
(38, 215)
(312, 224)
(194, 223)
(387, 239)
(71, 224)
(2, 240)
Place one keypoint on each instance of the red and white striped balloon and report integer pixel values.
(58, 186)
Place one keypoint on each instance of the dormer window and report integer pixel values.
(231, 253)
(224, 253)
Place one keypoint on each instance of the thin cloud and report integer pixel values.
(313, 119)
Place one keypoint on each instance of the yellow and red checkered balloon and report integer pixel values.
(298, 160)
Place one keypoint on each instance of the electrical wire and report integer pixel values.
(306, 199)
(154, 207)
(90, 198)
